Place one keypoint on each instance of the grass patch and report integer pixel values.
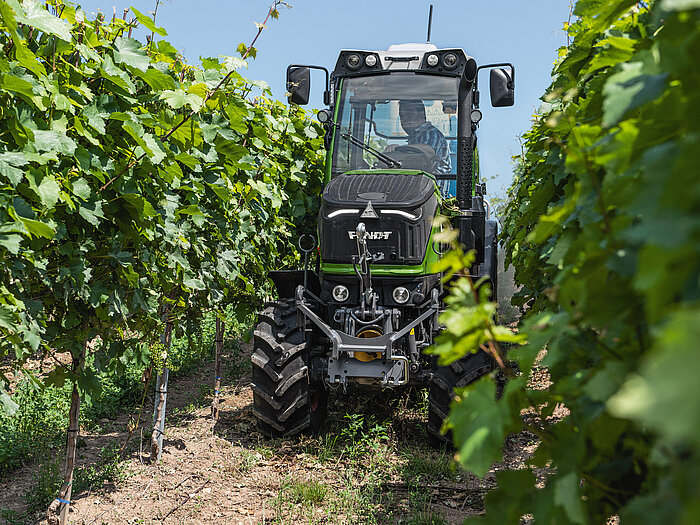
(306, 492)
(298, 499)
(244, 461)
(427, 465)
(48, 477)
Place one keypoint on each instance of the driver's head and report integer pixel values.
(411, 114)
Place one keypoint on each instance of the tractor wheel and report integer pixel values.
(441, 391)
(285, 403)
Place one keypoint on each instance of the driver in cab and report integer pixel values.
(420, 131)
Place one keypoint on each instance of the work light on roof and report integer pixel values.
(354, 61)
(433, 60)
(371, 60)
(450, 61)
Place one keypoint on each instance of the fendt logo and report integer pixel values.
(372, 236)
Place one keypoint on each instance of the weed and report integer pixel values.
(11, 517)
(109, 468)
(188, 409)
(428, 466)
(244, 461)
(307, 492)
(363, 436)
(421, 512)
(205, 391)
(425, 517)
(266, 449)
(327, 449)
(297, 498)
(239, 369)
(46, 480)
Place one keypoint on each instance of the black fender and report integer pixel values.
(286, 282)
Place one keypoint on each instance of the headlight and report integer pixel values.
(341, 293)
(400, 294)
(371, 60)
(353, 61)
(432, 60)
(450, 60)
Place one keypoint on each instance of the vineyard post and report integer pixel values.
(161, 395)
(217, 371)
(61, 505)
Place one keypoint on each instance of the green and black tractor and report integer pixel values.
(401, 138)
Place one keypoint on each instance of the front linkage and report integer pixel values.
(371, 357)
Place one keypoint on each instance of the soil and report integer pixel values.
(233, 475)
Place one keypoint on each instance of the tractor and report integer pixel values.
(401, 149)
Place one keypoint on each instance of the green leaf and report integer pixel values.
(14, 175)
(11, 242)
(8, 405)
(179, 98)
(129, 52)
(142, 206)
(479, 426)
(148, 22)
(92, 212)
(233, 63)
(664, 395)
(38, 228)
(158, 80)
(36, 15)
(81, 189)
(15, 84)
(54, 141)
(629, 89)
(48, 191)
(567, 495)
(194, 284)
(679, 5)
(115, 75)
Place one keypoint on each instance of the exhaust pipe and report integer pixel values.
(465, 139)
(465, 156)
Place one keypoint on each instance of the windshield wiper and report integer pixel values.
(392, 163)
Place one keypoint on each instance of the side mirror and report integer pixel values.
(298, 85)
(502, 88)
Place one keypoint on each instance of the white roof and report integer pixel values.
(419, 48)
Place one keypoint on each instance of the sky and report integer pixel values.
(525, 33)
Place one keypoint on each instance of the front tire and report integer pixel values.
(285, 402)
(441, 391)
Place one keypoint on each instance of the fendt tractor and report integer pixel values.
(401, 140)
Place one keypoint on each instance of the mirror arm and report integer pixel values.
(327, 91)
(489, 66)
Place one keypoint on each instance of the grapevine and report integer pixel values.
(603, 230)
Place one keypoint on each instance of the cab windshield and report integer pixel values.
(409, 117)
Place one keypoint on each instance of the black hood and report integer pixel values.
(404, 190)
(397, 208)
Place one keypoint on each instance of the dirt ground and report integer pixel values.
(371, 467)
(383, 472)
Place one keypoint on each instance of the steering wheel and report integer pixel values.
(409, 148)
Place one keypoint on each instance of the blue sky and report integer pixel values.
(314, 31)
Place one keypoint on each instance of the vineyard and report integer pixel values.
(143, 201)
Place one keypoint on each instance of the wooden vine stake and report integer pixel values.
(58, 510)
(219, 340)
(161, 397)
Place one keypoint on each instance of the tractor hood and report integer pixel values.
(397, 208)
